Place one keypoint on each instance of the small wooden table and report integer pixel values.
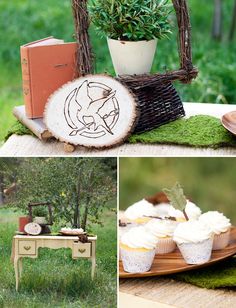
(27, 145)
(25, 246)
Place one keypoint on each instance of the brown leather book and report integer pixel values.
(46, 65)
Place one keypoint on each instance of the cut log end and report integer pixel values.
(69, 148)
(46, 135)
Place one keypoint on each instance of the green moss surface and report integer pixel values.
(220, 275)
(196, 131)
(18, 129)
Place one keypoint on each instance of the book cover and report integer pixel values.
(46, 65)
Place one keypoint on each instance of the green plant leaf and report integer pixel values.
(131, 20)
(176, 196)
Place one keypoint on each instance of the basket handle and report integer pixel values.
(184, 41)
(84, 58)
(84, 52)
(187, 71)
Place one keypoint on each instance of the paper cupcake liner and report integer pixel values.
(137, 261)
(165, 245)
(221, 240)
(196, 253)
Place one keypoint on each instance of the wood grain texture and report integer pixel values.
(229, 121)
(179, 294)
(35, 125)
(129, 300)
(28, 145)
(90, 111)
(174, 263)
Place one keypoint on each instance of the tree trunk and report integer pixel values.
(77, 208)
(233, 23)
(1, 190)
(217, 20)
(84, 222)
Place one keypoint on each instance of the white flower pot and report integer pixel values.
(40, 220)
(132, 57)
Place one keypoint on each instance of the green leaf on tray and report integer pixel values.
(176, 196)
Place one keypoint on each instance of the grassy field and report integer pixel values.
(22, 21)
(54, 279)
(209, 182)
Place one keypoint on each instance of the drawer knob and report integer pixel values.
(82, 250)
(27, 247)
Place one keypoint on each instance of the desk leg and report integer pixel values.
(16, 267)
(93, 259)
(20, 266)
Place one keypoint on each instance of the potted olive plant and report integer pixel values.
(40, 215)
(132, 28)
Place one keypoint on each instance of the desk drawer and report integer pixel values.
(81, 250)
(27, 247)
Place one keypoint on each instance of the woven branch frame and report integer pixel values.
(184, 74)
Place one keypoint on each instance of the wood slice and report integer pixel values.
(69, 148)
(33, 228)
(92, 111)
(173, 262)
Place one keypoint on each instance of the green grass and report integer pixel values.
(24, 21)
(54, 279)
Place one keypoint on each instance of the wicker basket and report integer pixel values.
(157, 99)
(158, 105)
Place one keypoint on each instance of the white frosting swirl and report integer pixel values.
(161, 228)
(162, 209)
(140, 209)
(191, 232)
(175, 213)
(216, 221)
(139, 237)
(123, 230)
(192, 210)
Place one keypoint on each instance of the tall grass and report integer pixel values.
(24, 21)
(54, 279)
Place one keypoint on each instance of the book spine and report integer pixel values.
(26, 81)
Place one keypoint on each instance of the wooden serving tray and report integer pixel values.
(71, 233)
(229, 121)
(174, 263)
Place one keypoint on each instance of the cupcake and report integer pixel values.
(220, 226)
(195, 241)
(138, 212)
(123, 228)
(163, 230)
(137, 249)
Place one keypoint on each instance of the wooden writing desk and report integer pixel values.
(25, 246)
